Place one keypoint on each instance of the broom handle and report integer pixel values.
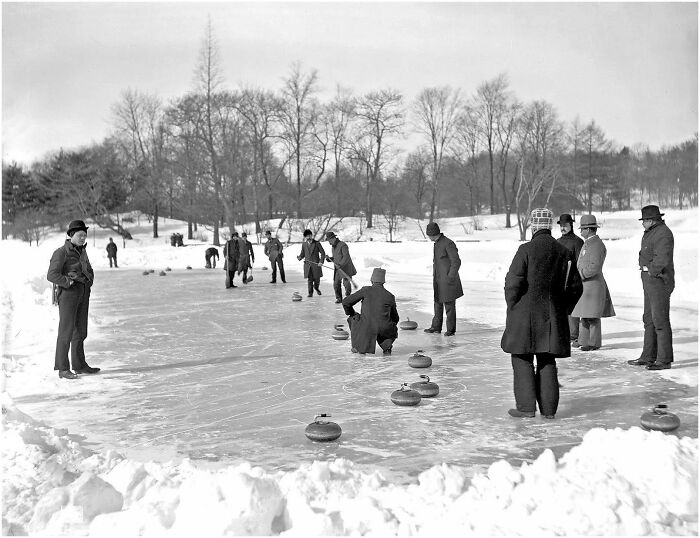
(342, 273)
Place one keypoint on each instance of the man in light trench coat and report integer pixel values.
(595, 303)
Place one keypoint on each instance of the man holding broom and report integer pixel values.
(344, 268)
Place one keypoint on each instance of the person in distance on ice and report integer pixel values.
(273, 251)
(595, 303)
(542, 287)
(342, 262)
(447, 286)
(377, 322)
(72, 276)
(232, 257)
(313, 255)
(210, 257)
(112, 253)
(574, 243)
(658, 282)
(247, 256)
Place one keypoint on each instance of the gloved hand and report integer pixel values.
(329, 259)
(299, 257)
(72, 275)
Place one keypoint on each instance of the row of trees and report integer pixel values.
(222, 157)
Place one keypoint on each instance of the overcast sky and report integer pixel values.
(632, 67)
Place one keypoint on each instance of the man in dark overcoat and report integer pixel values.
(72, 275)
(447, 286)
(232, 256)
(658, 282)
(313, 255)
(574, 243)
(112, 252)
(343, 266)
(377, 322)
(273, 251)
(249, 256)
(542, 287)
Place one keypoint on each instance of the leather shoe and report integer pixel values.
(310, 295)
(87, 370)
(640, 362)
(550, 417)
(431, 330)
(318, 291)
(338, 301)
(521, 414)
(574, 343)
(449, 333)
(659, 366)
(67, 374)
(589, 348)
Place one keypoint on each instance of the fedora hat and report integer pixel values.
(565, 218)
(588, 221)
(651, 212)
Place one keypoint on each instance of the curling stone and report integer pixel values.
(339, 333)
(146, 273)
(660, 419)
(151, 270)
(162, 273)
(189, 267)
(321, 430)
(264, 268)
(405, 396)
(296, 297)
(408, 325)
(426, 388)
(418, 360)
(168, 269)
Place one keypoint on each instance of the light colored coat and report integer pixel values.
(595, 301)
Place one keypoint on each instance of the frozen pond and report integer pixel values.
(192, 369)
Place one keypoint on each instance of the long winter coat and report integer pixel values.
(657, 253)
(378, 318)
(247, 255)
(341, 258)
(539, 297)
(573, 242)
(67, 259)
(312, 252)
(233, 254)
(595, 301)
(446, 283)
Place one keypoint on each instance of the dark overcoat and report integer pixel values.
(446, 283)
(70, 258)
(341, 258)
(313, 254)
(595, 301)
(273, 249)
(378, 318)
(573, 242)
(539, 297)
(657, 253)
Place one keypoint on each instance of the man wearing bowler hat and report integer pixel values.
(658, 282)
(595, 303)
(574, 243)
(447, 287)
(72, 275)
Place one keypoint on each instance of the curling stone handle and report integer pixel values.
(423, 376)
(322, 415)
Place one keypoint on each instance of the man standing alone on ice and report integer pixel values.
(71, 273)
(447, 287)
(232, 255)
(112, 253)
(273, 251)
(344, 267)
(542, 287)
(658, 282)
(377, 322)
(574, 243)
(313, 255)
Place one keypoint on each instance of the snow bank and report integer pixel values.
(606, 485)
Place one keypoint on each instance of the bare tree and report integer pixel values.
(380, 115)
(436, 114)
(340, 112)
(415, 172)
(489, 104)
(505, 129)
(466, 151)
(595, 145)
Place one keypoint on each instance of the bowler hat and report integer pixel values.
(76, 225)
(565, 218)
(329, 236)
(588, 221)
(432, 229)
(651, 212)
(378, 275)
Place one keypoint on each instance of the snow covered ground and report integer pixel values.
(205, 394)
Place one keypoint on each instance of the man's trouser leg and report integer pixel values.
(338, 285)
(348, 289)
(69, 306)
(660, 305)
(451, 314)
(207, 264)
(595, 329)
(547, 384)
(229, 277)
(524, 383)
(281, 265)
(573, 328)
(80, 332)
(437, 317)
(584, 336)
(310, 283)
(649, 351)
(274, 270)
